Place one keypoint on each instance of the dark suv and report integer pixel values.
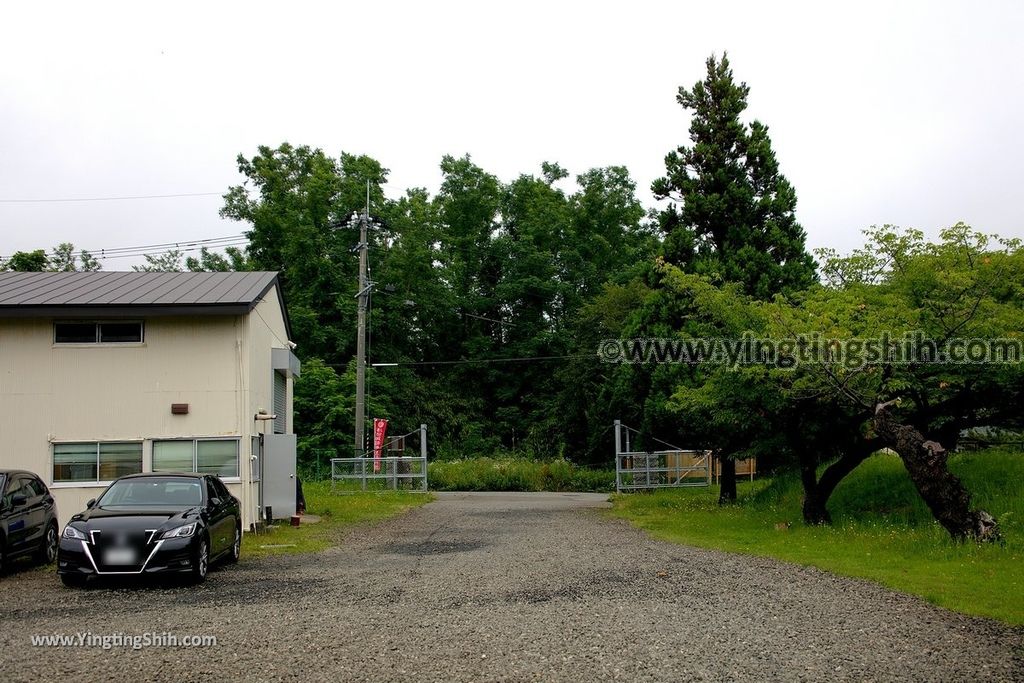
(28, 518)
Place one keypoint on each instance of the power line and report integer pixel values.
(54, 200)
(185, 245)
(464, 361)
(101, 257)
(191, 245)
(206, 240)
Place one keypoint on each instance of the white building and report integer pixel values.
(106, 374)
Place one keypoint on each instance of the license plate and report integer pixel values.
(119, 556)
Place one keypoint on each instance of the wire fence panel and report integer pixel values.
(644, 470)
(402, 465)
(662, 469)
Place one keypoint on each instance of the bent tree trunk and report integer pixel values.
(818, 491)
(926, 462)
(727, 481)
(814, 510)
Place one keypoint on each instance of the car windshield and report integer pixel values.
(162, 492)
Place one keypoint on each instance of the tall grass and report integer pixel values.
(881, 530)
(513, 474)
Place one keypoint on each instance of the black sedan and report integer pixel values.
(28, 518)
(149, 524)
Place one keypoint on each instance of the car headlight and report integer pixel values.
(73, 533)
(180, 532)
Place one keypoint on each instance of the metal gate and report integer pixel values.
(402, 465)
(670, 468)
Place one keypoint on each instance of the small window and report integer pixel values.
(217, 457)
(75, 462)
(95, 462)
(74, 333)
(173, 456)
(205, 456)
(97, 332)
(119, 459)
(120, 333)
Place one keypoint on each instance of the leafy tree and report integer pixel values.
(322, 410)
(167, 262)
(470, 262)
(599, 242)
(836, 410)
(233, 259)
(480, 272)
(298, 202)
(607, 235)
(64, 259)
(588, 395)
(924, 295)
(27, 261)
(88, 262)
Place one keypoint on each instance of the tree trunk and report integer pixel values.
(945, 495)
(818, 491)
(727, 481)
(814, 506)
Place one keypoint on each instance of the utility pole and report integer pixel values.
(363, 296)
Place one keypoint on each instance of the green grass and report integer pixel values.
(882, 530)
(516, 474)
(337, 511)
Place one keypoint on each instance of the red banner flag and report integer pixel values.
(380, 428)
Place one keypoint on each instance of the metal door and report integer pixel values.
(279, 474)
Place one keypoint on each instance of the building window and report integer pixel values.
(174, 456)
(98, 332)
(205, 456)
(95, 462)
(74, 333)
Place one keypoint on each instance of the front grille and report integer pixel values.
(116, 551)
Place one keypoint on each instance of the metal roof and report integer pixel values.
(133, 293)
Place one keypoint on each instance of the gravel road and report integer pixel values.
(504, 587)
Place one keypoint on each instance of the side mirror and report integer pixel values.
(215, 502)
(18, 499)
(89, 503)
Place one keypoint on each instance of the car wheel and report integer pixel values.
(47, 554)
(202, 561)
(3, 559)
(236, 547)
(72, 580)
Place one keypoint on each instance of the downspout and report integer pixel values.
(245, 475)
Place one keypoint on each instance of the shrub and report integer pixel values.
(511, 474)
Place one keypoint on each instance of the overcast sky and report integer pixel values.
(904, 113)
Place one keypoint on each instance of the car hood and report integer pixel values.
(135, 519)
